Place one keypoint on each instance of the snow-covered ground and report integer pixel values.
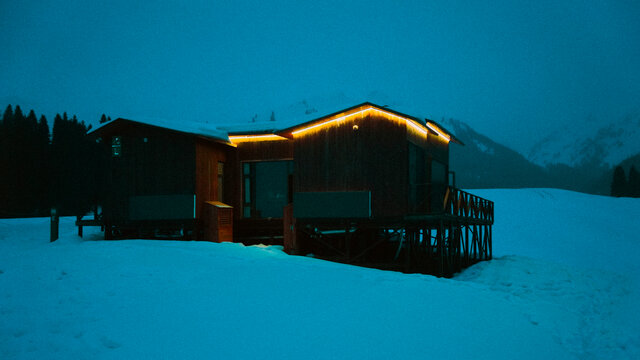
(563, 284)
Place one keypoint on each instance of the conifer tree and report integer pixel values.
(103, 119)
(29, 166)
(17, 115)
(8, 115)
(4, 161)
(633, 185)
(72, 152)
(619, 183)
(44, 166)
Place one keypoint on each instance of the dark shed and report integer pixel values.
(159, 176)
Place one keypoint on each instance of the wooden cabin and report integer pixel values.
(365, 184)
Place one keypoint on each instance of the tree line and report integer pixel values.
(621, 185)
(41, 169)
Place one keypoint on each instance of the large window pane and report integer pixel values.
(271, 187)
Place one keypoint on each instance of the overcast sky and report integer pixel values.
(512, 69)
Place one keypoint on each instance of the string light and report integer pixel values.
(235, 139)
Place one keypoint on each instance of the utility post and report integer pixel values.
(55, 220)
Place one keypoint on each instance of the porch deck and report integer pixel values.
(440, 243)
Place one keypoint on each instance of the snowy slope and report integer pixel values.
(598, 142)
(544, 296)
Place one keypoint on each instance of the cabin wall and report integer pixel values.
(252, 152)
(438, 148)
(372, 157)
(152, 162)
(265, 150)
(427, 172)
(209, 155)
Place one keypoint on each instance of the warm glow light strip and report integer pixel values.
(417, 127)
(247, 138)
(411, 123)
(235, 139)
(328, 122)
(438, 131)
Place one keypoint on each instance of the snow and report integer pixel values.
(606, 142)
(312, 109)
(291, 115)
(180, 125)
(563, 284)
(284, 117)
(483, 147)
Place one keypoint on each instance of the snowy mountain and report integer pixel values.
(596, 143)
(581, 160)
(555, 290)
(484, 163)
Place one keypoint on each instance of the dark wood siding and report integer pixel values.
(152, 162)
(371, 158)
(265, 150)
(437, 169)
(208, 155)
(438, 148)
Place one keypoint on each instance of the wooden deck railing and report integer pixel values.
(465, 205)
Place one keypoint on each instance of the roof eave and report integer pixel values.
(107, 126)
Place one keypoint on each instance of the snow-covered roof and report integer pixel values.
(187, 127)
(303, 113)
(287, 117)
(272, 122)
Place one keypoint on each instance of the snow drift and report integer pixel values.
(564, 284)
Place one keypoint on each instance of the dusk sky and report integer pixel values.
(515, 70)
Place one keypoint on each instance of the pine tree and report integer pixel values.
(103, 119)
(16, 159)
(633, 185)
(57, 156)
(619, 183)
(72, 152)
(44, 166)
(17, 115)
(7, 118)
(8, 115)
(29, 166)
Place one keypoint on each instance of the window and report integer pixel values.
(116, 146)
(438, 172)
(438, 184)
(417, 179)
(220, 181)
(246, 203)
(266, 188)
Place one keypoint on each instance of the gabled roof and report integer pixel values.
(284, 127)
(185, 127)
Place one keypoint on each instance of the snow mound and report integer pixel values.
(564, 284)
